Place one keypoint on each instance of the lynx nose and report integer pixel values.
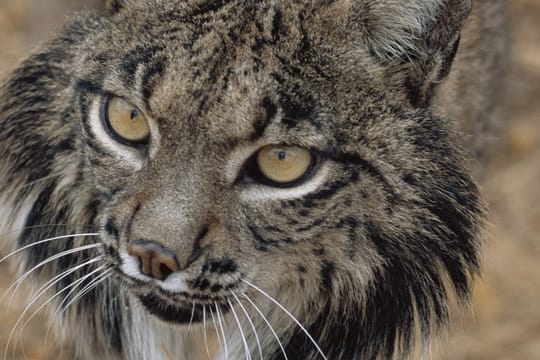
(156, 260)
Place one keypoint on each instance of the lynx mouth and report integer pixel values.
(181, 314)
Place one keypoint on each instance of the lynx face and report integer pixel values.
(255, 160)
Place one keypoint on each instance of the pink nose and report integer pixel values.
(157, 261)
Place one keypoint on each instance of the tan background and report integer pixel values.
(506, 323)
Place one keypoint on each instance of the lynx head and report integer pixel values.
(230, 150)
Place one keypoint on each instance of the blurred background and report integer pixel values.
(506, 321)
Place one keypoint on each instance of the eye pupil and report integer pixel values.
(134, 114)
(282, 155)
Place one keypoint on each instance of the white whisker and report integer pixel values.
(246, 347)
(215, 325)
(289, 314)
(191, 318)
(40, 292)
(268, 324)
(19, 281)
(61, 291)
(45, 241)
(204, 331)
(250, 323)
(43, 179)
(95, 282)
(218, 312)
(61, 276)
(73, 286)
(13, 231)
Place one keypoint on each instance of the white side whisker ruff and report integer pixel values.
(215, 325)
(62, 306)
(40, 292)
(250, 323)
(288, 314)
(70, 286)
(191, 318)
(219, 315)
(267, 324)
(17, 283)
(205, 334)
(246, 347)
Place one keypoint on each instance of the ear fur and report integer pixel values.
(421, 35)
(438, 49)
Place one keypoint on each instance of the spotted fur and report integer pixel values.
(368, 253)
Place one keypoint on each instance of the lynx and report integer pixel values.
(285, 179)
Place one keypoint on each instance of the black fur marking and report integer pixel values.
(35, 229)
(296, 105)
(370, 330)
(410, 179)
(112, 252)
(319, 250)
(325, 193)
(368, 168)
(111, 229)
(260, 240)
(97, 149)
(149, 79)
(448, 59)
(211, 6)
(262, 122)
(87, 86)
(226, 266)
(197, 249)
(327, 271)
(170, 313)
(111, 322)
(114, 6)
(351, 225)
(201, 284)
(315, 223)
(133, 58)
(277, 23)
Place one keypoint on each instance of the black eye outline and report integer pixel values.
(104, 114)
(251, 172)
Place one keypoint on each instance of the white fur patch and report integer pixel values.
(174, 283)
(13, 215)
(258, 192)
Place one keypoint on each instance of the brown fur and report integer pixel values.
(365, 252)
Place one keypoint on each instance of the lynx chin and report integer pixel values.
(241, 179)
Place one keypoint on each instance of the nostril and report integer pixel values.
(156, 260)
(165, 270)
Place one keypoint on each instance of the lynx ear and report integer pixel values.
(422, 35)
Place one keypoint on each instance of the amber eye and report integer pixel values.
(283, 166)
(126, 123)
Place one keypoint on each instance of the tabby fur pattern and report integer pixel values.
(395, 96)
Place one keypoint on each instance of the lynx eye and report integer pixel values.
(126, 122)
(282, 166)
